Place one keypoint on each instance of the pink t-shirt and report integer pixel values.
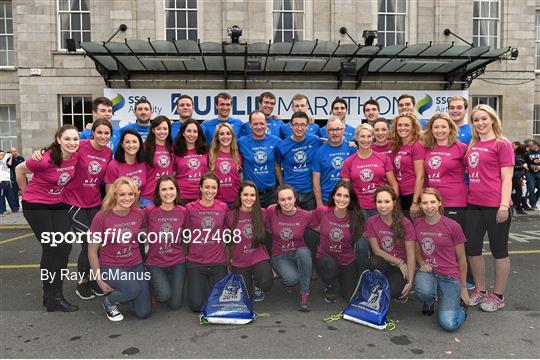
(189, 170)
(48, 180)
(376, 228)
(243, 254)
(206, 225)
(164, 235)
(83, 190)
(383, 149)
(445, 172)
(484, 162)
(229, 176)
(162, 165)
(366, 175)
(136, 172)
(404, 165)
(287, 231)
(117, 249)
(438, 243)
(335, 240)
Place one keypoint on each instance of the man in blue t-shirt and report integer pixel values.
(267, 102)
(300, 104)
(101, 109)
(223, 104)
(407, 103)
(143, 121)
(184, 108)
(294, 160)
(457, 109)
(328, 161)
(339, 110)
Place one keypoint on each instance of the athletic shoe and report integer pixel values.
(428, 309)
(84, 291)
(304, 302)
(470, 285)
(465, 307)
(93, 285)
(492, 303)
(289, 289)
(258, 295)
(520, 212)
(476, 297)
(112, 312)
(329, 294)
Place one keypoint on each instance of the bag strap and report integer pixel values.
(333, 317)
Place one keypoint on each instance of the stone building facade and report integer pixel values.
(40, 74)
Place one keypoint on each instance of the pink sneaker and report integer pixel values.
(492, 303)
(476, 297)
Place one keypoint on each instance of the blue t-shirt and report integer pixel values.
(117, 134)
(423, 123)
(328, 161)
(209, 127)
(285, 130)
(175, 129)
(272, 127)
(296, 159)
(258, 158)
(85, 134)
(349, 132)
(464, 134)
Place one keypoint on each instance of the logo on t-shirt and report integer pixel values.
(247, 230)
(300, 157)
(473, 159)
(397, 162)
(337, 162)
(336, 234)
(286, 234)
(63, 179)
(387, 243)
(166, 231)
(260, 157)
(366, 175)
(208, 222)
(94, 167)
(193, 163)
(428, 245)
(163, 161)
(225, 167)
(435, 162)
(137, 180)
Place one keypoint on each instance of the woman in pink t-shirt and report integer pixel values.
(166, 261)
(391, 238)
(114, 254)
(340, 226)
(408, 158)
(490, 163)
(440, 253)
(45, 211)
(225, 161)
(158, 156)
(206, 258)
(248, 254)
(128, 160)
(381, 137)
(291, 258)
(191, 160)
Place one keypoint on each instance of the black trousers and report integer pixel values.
(201, 278)
(331, 273)
(81, 219)
(261, 272)
(393, 274)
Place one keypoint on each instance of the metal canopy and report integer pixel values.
(122, 60)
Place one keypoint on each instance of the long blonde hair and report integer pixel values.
(416, 129)
(429, 141)
(497, 125)
(110, 199)
(216, 147)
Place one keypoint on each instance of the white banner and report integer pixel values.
(428, 102)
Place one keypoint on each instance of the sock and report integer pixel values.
(499, 296)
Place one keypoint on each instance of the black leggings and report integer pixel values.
(406, 203)
(517, 192)
(81, 219)
(201, 279)
(261, 272)
(46, 218)
(331, 272)
(393, 274)
(481, 219)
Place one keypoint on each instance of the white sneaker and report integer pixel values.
(113, 313)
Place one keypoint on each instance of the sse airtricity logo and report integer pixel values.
(118, 102)
(423, 105)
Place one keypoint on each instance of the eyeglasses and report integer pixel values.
(296, 125)
(335, 130)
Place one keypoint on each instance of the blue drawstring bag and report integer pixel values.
(370, 301)
(228, 302)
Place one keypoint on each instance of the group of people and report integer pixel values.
(267, 196)
(9, 190)
(526, 179)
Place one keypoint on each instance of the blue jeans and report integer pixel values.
(428, 286)
(368, 213)
(533, 183)
(8, 193)
(167, 284)
(294, 268)
(145, 202)
(134, 291)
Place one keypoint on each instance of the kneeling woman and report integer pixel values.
(340, 225)
(206, 259)
(249, 257)
(291, 258)
(440, 252)
(392, 240)
(118, 268)
(166, 261)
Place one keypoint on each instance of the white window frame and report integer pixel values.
(12, 124)
(486, 99)
(382, 34)
(490, 21)
(86, 112)
(5, 34)
(537, 50)
(293, 11)
(536, 123)
(177, 29)
(59, 23)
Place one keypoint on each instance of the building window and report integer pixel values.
(492, 101)
(537, 57)
(73, 21)
(391, 22)
(486, 23)
(6, 34)
(536, 123)
(288, 20)
(180, 20)
(76, 110)
(8, 127)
